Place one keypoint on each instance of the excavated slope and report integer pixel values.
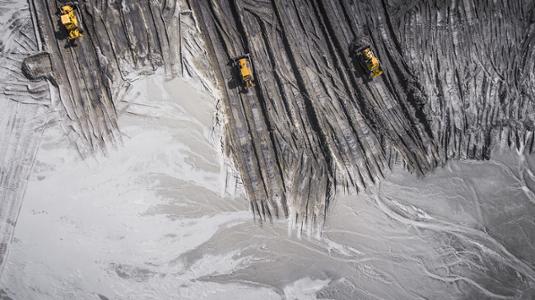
(120, 38)
(458, 79)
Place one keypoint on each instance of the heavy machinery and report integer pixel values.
(69, 20)
(368, 61)
(243, 63)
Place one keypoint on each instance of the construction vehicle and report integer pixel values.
(69, 20)
(244, 66)
(368, 61)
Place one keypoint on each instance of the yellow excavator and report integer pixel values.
(368, 60)
(69, 20)
(244, 66)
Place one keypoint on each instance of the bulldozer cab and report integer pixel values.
(246, 72)
(66, 20)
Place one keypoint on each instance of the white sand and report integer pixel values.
(150, 220)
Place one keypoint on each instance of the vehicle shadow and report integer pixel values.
(359, 66)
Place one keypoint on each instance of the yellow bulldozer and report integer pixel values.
(69, 20)
(369, 62)
(244, 66)
(366, 58)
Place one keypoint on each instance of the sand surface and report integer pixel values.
(161, 217)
